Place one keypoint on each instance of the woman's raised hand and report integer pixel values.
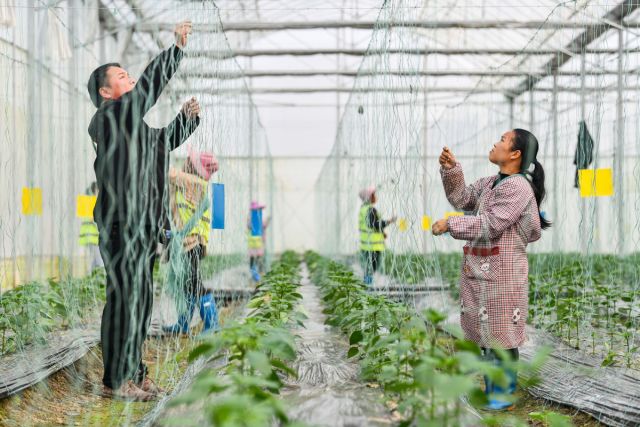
(447, 159)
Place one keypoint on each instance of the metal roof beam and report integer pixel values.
(613, 19)
(439, 89)
(429, 73)
(371, 25)
(220, 54)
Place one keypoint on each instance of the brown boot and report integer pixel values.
(149, 386)
(128, 391)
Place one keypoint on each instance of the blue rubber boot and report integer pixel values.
(184, 319)
(255, 275)
(494, 392)
(209, 314)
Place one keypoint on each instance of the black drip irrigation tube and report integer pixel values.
(37, 362)
(26, 368)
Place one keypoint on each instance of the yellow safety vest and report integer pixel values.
(186, 210)
(370, 239)
(255, 242)
(89, 235)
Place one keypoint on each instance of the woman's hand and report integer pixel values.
(439, 227)
(447, 159)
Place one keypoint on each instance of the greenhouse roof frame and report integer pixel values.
(591, 33)
(439, 89)
(355, 73)
(593, 29)
(370, 25)
(428, 51)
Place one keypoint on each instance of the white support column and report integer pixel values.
(252, 119)
(29, 225)
(14, 137)
(511, 101)
(619, 154)
(584, 235)
(532, 112)
(555, 189)
(338, 146)
(72, 146)
(425, 150)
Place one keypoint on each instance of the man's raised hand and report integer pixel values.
(191, 108)
(182, 32)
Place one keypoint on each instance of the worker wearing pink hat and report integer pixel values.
(256, 241)
(188, 189)
(204, 163)
(372, 234)
(256, 205)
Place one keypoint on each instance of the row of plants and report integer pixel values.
(585, 299)
(576, 297)
(423, 366)
(246, 360)
(210, 265)
(30, 311)
(414, 268)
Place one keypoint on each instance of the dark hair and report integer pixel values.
(189, 167)
(92, 189)
(98, 79)
(527, 144)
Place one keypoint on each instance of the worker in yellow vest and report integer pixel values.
(188, 189)
(372, 234)
(256, 242)
(89, 234)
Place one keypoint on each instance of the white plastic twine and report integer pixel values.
(58, 40)
(7, 14)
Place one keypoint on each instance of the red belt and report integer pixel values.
(482, 251)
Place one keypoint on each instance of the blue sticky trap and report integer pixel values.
(256, 222)
(217, 219)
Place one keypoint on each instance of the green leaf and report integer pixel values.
(477, 398)
(353, 351)
(259, 362)
(256, 302)
(279, 364)
(466, 345)
(200, 350)
(355, 337)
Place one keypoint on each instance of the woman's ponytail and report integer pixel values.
(537, 183)
(525, 141)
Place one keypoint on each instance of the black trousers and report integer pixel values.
(128, 259)
(370, 261)
(491, 355)
(257, 262)
(193, 286)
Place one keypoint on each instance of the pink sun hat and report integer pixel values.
(205, 162)
(366, 193)
(255, 205)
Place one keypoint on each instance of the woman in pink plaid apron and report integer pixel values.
(505, 218)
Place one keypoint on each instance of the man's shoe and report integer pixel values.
(128, 391)
(150, 387)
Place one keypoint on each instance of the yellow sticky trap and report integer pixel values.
(426, 223)
(31, 201)
(85, 205)
(402, 224)
(450, 214)
(598, 183)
